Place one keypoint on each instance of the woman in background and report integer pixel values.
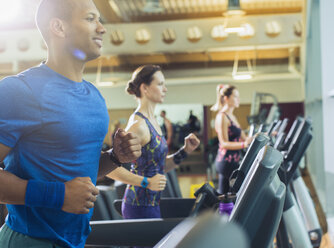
(231, 138)
(142, 201)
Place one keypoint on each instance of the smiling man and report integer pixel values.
(52, 125)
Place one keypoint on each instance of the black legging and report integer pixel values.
(223, 184)
(225, 170)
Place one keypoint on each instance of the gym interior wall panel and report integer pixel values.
(288, 110)
(179, 113)
(329, 178)
(202, 31)
(327, 61)
(327, 57)
(285, 91)
(155, 44)
(241, 113)
(117, 98)
(205, 93)
(314, 102)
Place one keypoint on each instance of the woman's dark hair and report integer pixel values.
(227, 90)
(222, 90)
(143, 74)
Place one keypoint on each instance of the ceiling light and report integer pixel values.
(235, 30)
(247, 31)
(23, 45)
(105, 84)
(142, 36)
(242, 76)
(298, 28)
(273, 28)
(194, 34)
(219, 33)
(168, 35)
(116, 37)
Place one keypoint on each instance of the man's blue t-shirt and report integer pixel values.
(55, 128)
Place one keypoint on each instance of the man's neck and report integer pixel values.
(68, 67)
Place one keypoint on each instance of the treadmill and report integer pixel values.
(292, 227)
(207, 230)
(259, 205)
(262, 188)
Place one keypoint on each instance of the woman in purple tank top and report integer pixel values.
(231, 138)
(142, 198)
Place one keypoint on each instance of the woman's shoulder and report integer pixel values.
(136, 122)
(224, 116)
(138, 126)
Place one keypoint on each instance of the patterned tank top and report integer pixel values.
(234, 133)
(151, 162)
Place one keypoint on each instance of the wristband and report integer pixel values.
(144, 183)
(242, 145)
(113, 157)
(179, 156)
(45, 194)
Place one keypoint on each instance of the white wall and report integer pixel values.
(319, 105)
(205, 93)
(179, 113)
(313, 101)
(327, 53)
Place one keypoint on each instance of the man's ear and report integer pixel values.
(57, 27)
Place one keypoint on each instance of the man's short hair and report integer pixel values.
(48, 9)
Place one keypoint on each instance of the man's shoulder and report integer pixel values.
(10, 80)
(25, 76)
(34, 74)
(11, 84)
(24, 83)
(90, 84)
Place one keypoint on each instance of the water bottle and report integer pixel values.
(225, 206)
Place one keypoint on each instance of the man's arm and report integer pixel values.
(126, 148)
(4, 150)
(12, 188)
(79, 196)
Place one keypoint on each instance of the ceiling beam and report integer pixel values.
(107, 12)
(114, 61)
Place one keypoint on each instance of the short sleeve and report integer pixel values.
(19, 111)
